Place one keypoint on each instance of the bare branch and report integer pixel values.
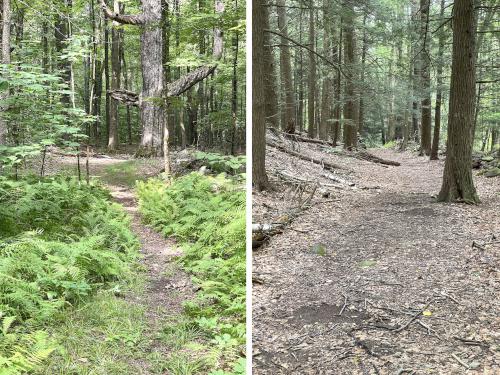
(137, 19)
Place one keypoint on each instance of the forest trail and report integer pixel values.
(166, 287)
(380, 279)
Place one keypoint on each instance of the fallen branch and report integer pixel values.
(363, 155)
(324, 164)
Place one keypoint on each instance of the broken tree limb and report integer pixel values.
(125, 96)
(125, 19)
(299, 138)
(324, 164)
(190, 79)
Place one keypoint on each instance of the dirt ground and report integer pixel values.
(376, 278)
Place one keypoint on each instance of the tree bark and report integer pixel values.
(458, 184)
(62, 34)
(6, 21)
(326, 90)
(425, 136)
(259, 175)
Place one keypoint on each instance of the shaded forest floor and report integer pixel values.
(375, 278)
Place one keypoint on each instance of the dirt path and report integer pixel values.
(390, 253)
(167, 286)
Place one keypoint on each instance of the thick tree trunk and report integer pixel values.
(439, 90)
(115, 81)
(351, 108)
(286, 70)
(458, 184)
(6, 20)
(311, 84)
(425, 136)
(259, 175)
(361, 125)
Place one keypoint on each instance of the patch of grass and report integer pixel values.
(102, 338)
(123, 174)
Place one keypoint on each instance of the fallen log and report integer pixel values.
(299, 138)
(324, 164)
(363, 155)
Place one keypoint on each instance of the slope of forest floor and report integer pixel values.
(374, 277)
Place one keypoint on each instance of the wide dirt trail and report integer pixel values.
(399, 287)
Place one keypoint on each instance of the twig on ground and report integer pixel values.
(413, 318)
(460, 361)
(343, 307)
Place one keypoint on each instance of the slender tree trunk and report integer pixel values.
(286, 71)
(272, 113)
(311, 89)
(300, 77)
(61, 33)
(6, 20)
(259, 176)
(115, 81)
(458, 184)
(351, 108)
(425, 136)
(338, 90)
(326, 90)
(361, 125)
(439, 90)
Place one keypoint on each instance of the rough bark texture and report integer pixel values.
(425, 136)
(351, 108)
(6, 20)
(338, 89)
(259, 176)
(286, 71)
(458, 184)
(311, 89)
(439, 90)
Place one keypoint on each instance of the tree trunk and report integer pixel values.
(115, 81)
(361, 125)
(458, 184)
(311, 84)
(61, 33)
(272, 113)
(286, 71)
(152, 103)
(338, 90)
(351, 108)
(6, 20)
(259, 175)
(439, 89)
(425, 136)
(326, 90)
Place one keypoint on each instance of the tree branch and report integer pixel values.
(137, 19)
(125, 96)
(329, 62)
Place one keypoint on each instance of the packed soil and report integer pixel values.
(372, 275)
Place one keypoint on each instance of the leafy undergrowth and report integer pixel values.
(207, 216)
(62, 244)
